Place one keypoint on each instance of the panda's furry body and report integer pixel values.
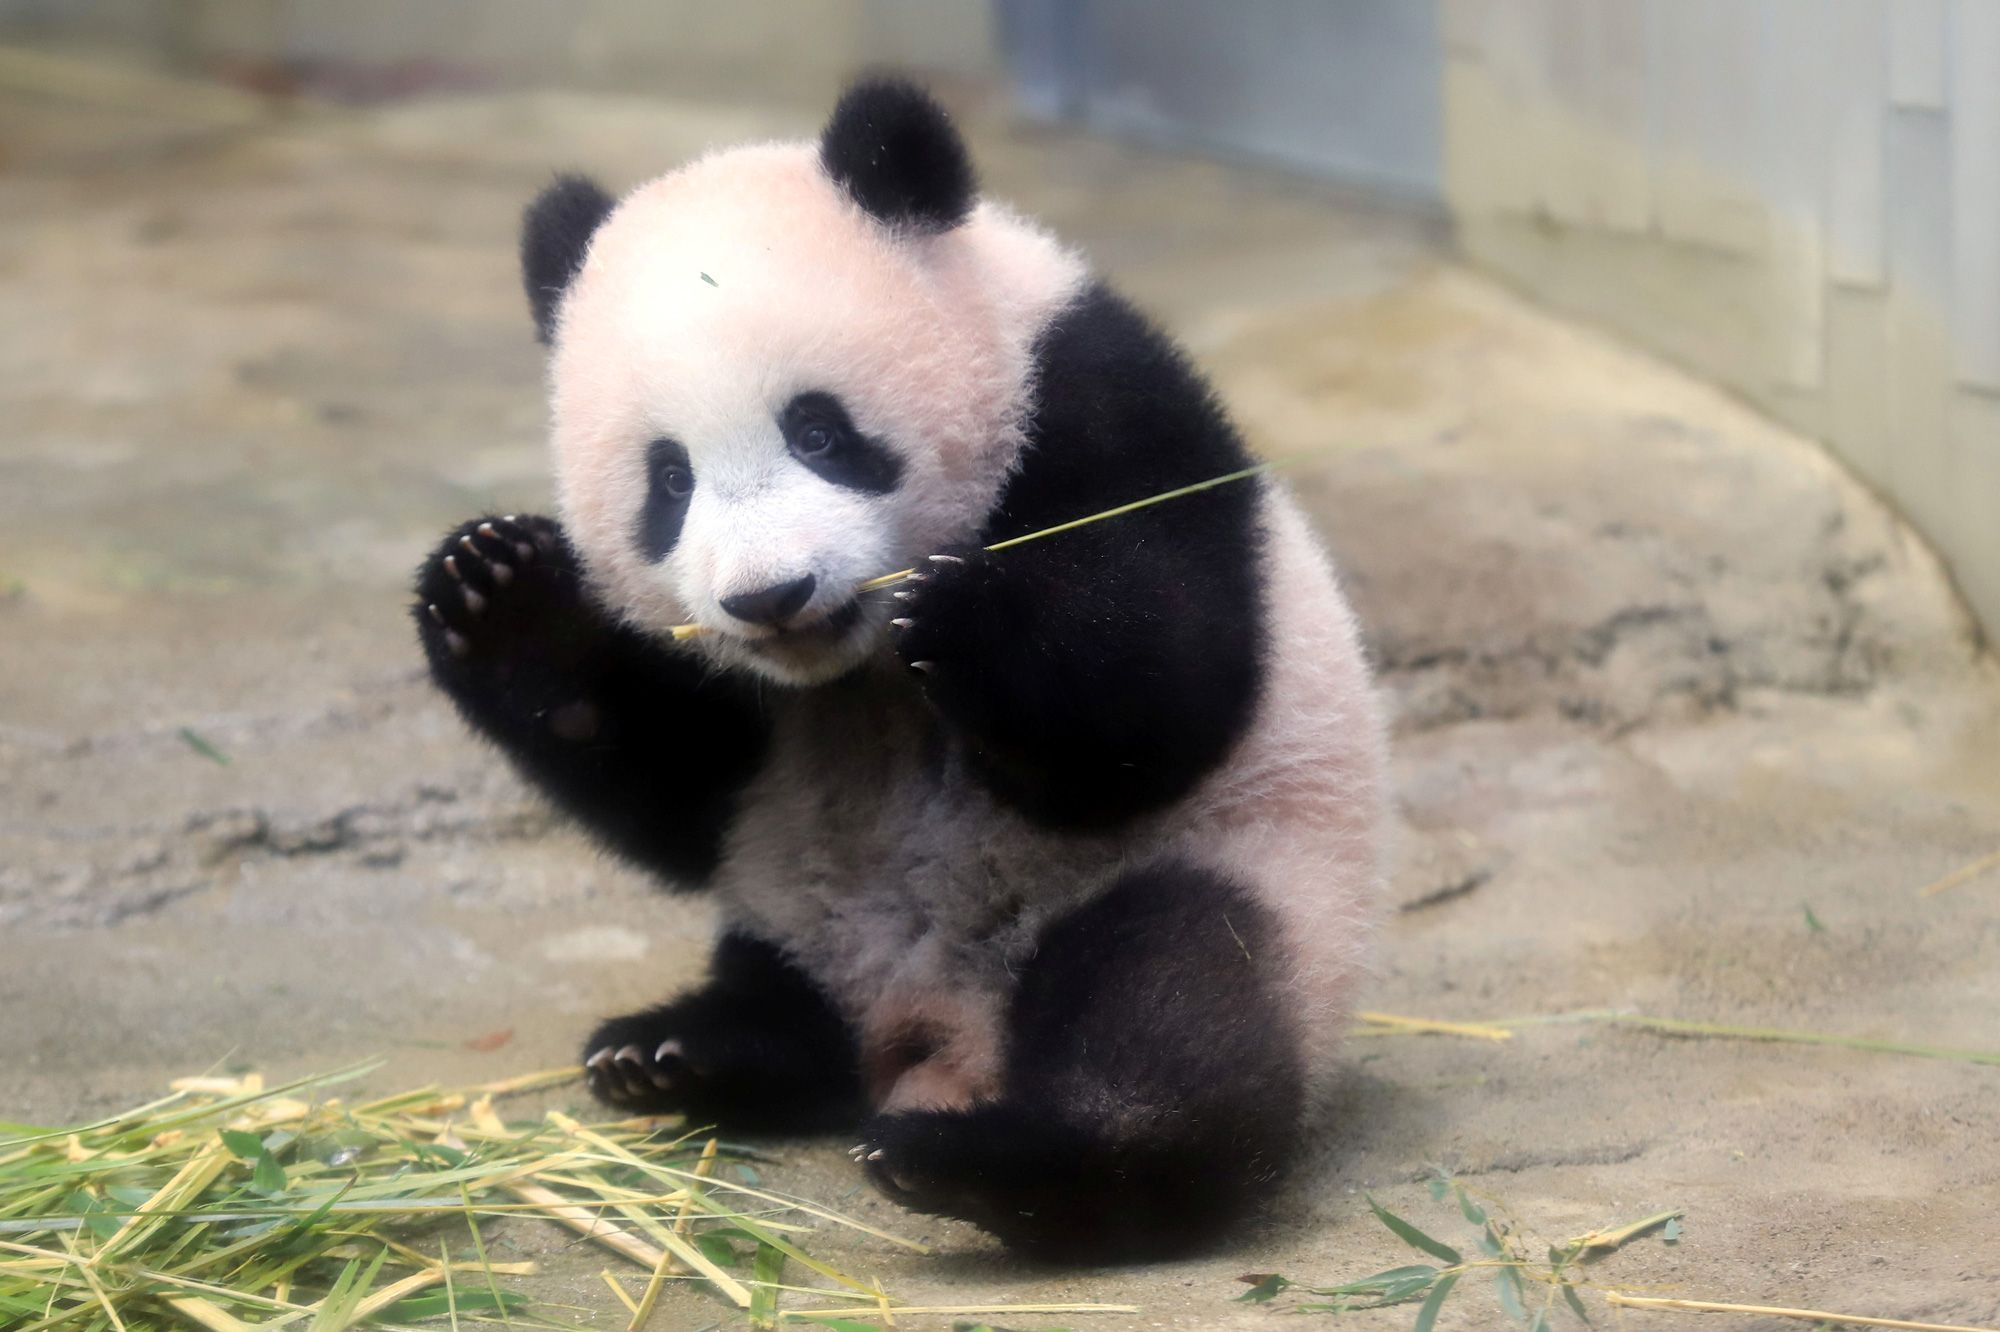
(1053, 872)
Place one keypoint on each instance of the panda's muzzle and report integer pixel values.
(822, 631)
(771, 607)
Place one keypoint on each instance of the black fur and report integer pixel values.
(761, 1050)
(669, 486)
(1098, 674)
(1154, 1088)
(640, 745)
(820, 434)
(555, 236)
(895, 152)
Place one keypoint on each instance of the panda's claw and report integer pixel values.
(904, 596)
(924, 666)
(474, 603)
(875, 1155)
(946, 559)
(436, 615)
(902, 622)
(451, 567)
(630, 1054)
(600, 1059)
(457, 642)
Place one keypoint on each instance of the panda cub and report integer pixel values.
(1052, 870)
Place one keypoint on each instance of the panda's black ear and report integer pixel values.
(896, 153)
(555, 235)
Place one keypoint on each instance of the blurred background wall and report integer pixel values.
(1799, 199)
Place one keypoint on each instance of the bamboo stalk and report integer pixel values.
(1484, 1031)
(587, 1223)
(1963, 874)
(644, 1309)
(949, 1309)
(686, 631)
(1623, 1301)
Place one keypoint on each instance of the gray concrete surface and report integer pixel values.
(1665, 679)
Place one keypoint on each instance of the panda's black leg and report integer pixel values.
(1153, 1084)
(757, 1049)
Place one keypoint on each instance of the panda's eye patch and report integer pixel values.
(821, 435)
(669, 484)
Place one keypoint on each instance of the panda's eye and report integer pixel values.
(677, 482)
(814, 440)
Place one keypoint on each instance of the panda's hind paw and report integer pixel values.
(637, 1074)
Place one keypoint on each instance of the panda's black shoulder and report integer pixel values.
(1119, 413)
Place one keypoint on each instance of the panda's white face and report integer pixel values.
(763, 398)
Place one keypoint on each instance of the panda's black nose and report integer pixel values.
(773, 605)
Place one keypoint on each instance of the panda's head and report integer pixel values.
(783, 370)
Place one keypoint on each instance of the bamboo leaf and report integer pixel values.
(1265, 1287)
(267, 1177)
(1413, 1237)
(767, 1271)
(1507, 1282)
(243, 1146)
(1428, 1315)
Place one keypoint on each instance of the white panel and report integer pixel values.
(1920, 353)
(1566, 118)
(1850, 46)
(1516, 54)
(1599, 132)
(1916, 53)
(1857, 379)
(1791, 128)
(1975, 190)
(1464, 26)
(1706, 60)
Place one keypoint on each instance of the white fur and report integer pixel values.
(864, 847)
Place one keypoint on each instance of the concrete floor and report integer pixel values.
(1666, 679)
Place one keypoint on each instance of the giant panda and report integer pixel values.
(1051, 872)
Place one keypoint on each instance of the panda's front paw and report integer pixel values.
(505, 621)
(953, 622)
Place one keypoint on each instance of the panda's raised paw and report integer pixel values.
(490, 589)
